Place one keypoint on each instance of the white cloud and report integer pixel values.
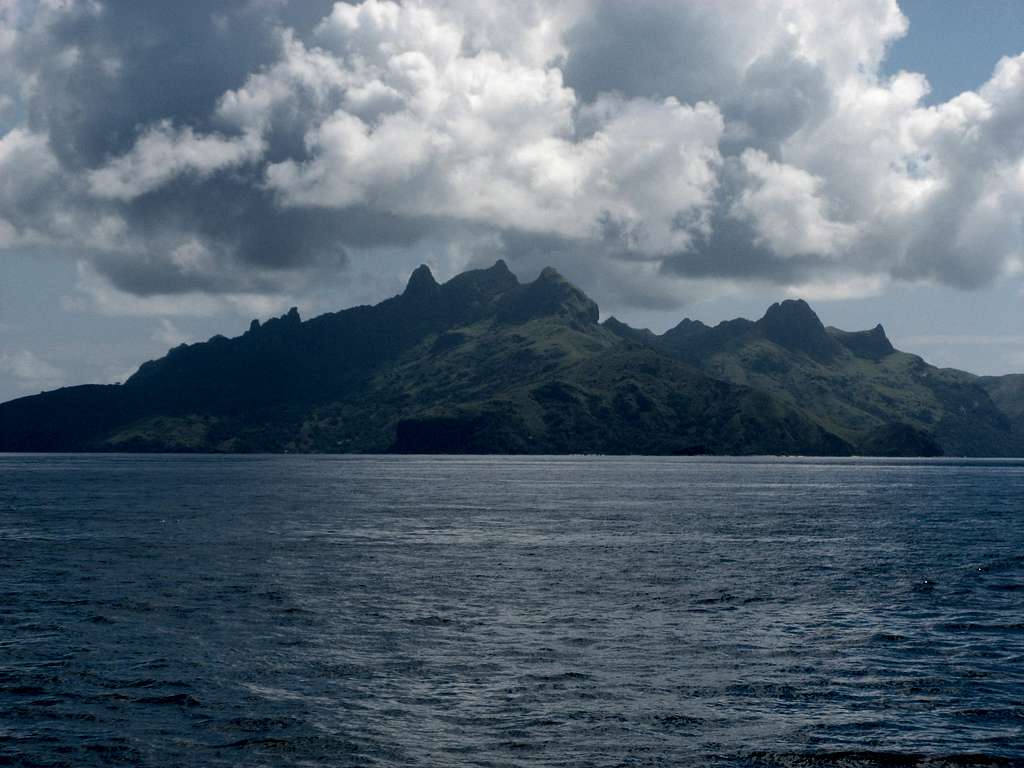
(168, 334)
(787, 209)
(428, 110)
(164, 152)
(424, 129)
(839, 288)
(26, 165)
(931, 192)
(30, 372)
(617, 134)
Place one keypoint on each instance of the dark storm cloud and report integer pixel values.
(235, 211)
(732, 252)
(780, 95)
(650, 48)
(658, 48)
(732, 249)
(140, 61)
(137, 62)
(239, 221)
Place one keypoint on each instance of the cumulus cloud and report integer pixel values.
(647, 172)
(163, 153)
(786, 207)
(27, 172)
(644, 147)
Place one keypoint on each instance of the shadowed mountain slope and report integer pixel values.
(1007, 392)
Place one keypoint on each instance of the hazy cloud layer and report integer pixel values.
(196, 153)
(29, 372)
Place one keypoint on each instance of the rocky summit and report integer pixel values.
(485, 364)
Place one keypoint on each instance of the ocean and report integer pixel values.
(510, 611)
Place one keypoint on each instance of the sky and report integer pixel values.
(169, 171)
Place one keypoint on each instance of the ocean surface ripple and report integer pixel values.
(486, 611)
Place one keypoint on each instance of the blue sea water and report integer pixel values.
(485, 611)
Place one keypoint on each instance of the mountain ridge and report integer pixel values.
(484, 363)
(856, 384)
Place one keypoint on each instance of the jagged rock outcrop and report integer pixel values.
(550, 295)
(872, 345)
(639, 335)
(794, 325)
